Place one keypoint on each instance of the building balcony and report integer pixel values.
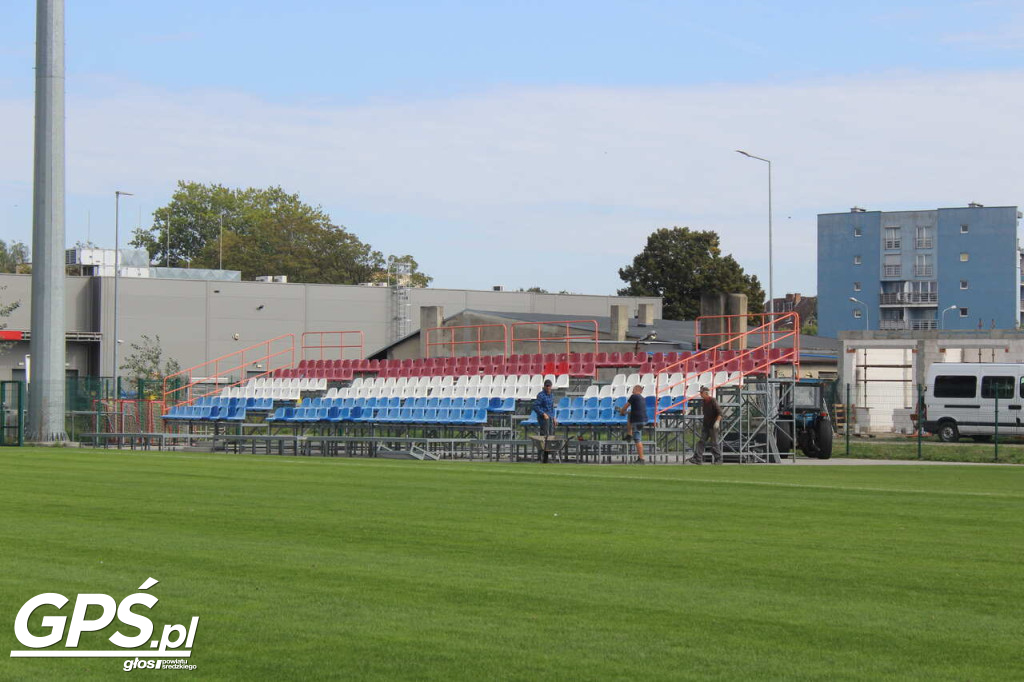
(904, 325)
(908, 298)
(924, 243)
(893, 244)
(892, 271)
(923, 271)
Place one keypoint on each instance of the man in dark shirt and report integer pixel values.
(637, 407)
(712, 418)
(544, 407)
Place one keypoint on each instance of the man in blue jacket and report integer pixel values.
(544, 407)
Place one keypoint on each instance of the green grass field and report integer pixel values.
(370, 569)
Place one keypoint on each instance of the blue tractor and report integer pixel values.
(804, 420)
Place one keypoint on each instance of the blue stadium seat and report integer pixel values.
(282, 414)
(605, 403)
(235, 414)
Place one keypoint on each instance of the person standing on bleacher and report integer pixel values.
(712, 419)
(637, 407)
(544, 407)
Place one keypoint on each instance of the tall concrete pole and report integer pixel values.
(46, 391)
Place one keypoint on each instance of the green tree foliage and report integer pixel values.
(5, 310)
(679, 264)
(265, 232)
(13, 257)
(146, 361)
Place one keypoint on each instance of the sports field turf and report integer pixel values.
(370, 569)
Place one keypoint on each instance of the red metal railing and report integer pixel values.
(268, 355)
(466, 331)
(739, 363)
(568, 335)
(340, 346)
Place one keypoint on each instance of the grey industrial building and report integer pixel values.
(199, 320)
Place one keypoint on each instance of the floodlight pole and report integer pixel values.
(48, 344)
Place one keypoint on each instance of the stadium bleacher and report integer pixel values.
(469, 390)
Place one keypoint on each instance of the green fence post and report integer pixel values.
(920, 418)
(848, 415)
(21, 414)
(995, 438)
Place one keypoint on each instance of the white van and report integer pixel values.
(961, 398)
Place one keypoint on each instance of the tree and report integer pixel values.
(402, 270)
(14, 257)
(5, 310)
(146, 361)
(260, 232)
(680, 264)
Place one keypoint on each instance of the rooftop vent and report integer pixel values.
(975, 204)
(856, 209)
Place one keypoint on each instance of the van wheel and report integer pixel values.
(948, 432)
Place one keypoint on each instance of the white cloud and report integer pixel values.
(560, 187)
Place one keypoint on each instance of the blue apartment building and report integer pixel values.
(950, 268)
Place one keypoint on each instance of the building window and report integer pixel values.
(856, 232)
(923, 265)
(964, 229)
(856, 286)
(963, 312)
(963, 284)
(857, 313)
(856, 260)
(892, 238)
(924, 237)
(891, 265)
(964, 257)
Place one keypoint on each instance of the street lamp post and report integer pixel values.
(220, 242)
(117, 272)
(942, 319)
(866, 313)
(771, 277)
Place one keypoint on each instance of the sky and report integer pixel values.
(530, 143)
